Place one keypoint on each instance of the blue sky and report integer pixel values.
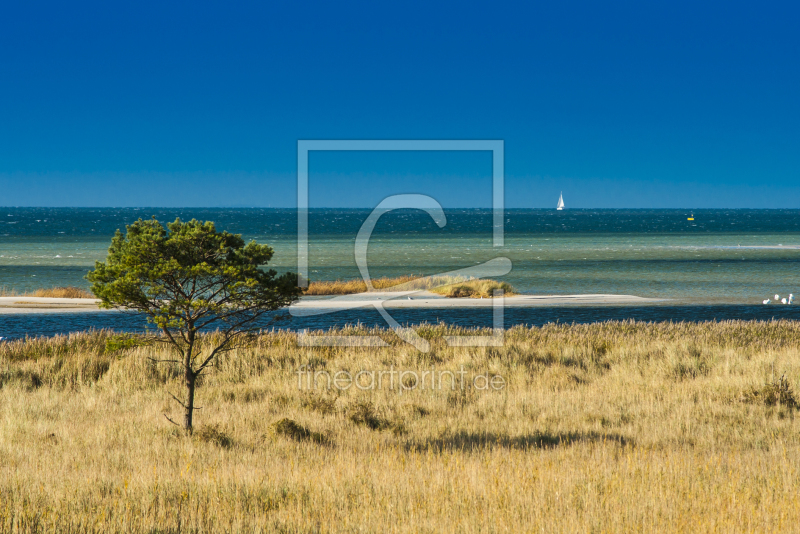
(623, 104)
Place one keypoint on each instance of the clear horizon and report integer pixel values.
(677, 208)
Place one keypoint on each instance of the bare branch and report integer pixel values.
(177, 400)
(213, 353)
(171, 338)
(171, 421)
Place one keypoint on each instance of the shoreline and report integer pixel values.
(427, 300)
(14, 305)
(313, 305)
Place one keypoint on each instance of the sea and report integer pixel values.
(706, 264)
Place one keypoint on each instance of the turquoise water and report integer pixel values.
(723, 257)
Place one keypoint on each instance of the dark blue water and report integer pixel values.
(49, 324)
(101, 223)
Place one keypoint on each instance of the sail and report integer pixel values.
(560, 202)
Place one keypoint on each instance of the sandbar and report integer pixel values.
(317, 305)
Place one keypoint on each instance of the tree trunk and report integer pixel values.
(189, 377)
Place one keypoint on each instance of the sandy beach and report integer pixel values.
(316, 305)
(23, 304)
(308, 306)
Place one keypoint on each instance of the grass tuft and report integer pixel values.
(416, 410)
(775, 393)
(319, 403)
(23, 378)
(289, 429)
(364, 413)
(212, 434)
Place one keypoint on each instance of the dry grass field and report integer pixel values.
(613, 427)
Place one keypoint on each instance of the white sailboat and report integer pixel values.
(560, 202)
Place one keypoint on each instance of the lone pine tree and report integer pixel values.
(188, 277)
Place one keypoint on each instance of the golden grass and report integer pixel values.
(347, 287)
(612, 427)
(53, 292)
(474, 289)
(450, 286)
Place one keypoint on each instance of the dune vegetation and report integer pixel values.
(609, 427)
(450, 286)
(474, 289)
(395, 283)
(70, 292)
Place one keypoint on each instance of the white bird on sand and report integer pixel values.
(783, 300)
(777, 297)
(766, 301)
(791, 298)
